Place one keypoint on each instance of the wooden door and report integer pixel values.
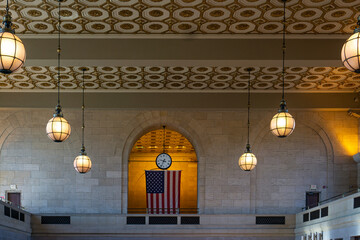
(312, 199)
(14, 197)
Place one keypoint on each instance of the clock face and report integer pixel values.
(163, 161)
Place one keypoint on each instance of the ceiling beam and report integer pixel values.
(168, 100)
(118, 51)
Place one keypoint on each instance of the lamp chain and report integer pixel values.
(283, 53)
(164, 140)
(58, 51)
(248, 137)
(83, 109)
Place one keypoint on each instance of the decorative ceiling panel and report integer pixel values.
(152, 142)
(201, 78)
(183, 16)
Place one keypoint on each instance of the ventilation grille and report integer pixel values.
(22, 217)
(15, 214)
(162, 220)
(190, 220)
(305, 217)
(265, 220)
(325, 212)
(6, 211)
(357, 202)
(55, 219)
(135, 220)
(9, 212)
(314, 214)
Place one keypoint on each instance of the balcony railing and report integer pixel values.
(336, 197)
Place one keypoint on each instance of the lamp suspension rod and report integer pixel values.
(58, 51)
(7, 7)
(164, 140)
(283, 53)
(83, 108)
(248, 123)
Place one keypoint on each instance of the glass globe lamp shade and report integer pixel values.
(282, 124)
(58, 129)
(12, 52)
(247, 161)
(82, 163)
(350, 53)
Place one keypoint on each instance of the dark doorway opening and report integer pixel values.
(14, 198)
(312, 199)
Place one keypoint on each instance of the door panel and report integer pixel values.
(312, 199)
(15, 198)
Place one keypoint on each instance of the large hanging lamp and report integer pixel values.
(12, 50)
(248, 161)
(350, 52)
(283, 124)
(82, 163)
(58, 128)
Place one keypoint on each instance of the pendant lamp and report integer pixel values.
(58, 128)
(283, 124)
(350, 52)
(82, 163)
(248, 161)
(12, 50)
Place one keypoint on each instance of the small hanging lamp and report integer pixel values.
(12, 50)
(58, 128)
(350, 52)
(248, 161)
(82, 163)
(283, 124)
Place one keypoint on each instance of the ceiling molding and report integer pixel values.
(342, 36)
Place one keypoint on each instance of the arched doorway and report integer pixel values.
(142, 157)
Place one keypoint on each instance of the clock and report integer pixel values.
(163, 161)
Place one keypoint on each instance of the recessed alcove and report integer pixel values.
(142, 157)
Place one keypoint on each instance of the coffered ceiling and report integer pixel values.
(199, 78)
(183, 46)
(152, 142)
(184, 16)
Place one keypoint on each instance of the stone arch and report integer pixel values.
(313, 123)
(143, 124)
(9, 125)
(18, 119)
(260, 132)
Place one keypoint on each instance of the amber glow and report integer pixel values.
(282, 124)
(247, 161)
(347, 139)
(144, 159)
(58, 129)
(350, 53)
(12, 52)
(82, 164)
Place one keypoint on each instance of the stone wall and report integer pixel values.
(319, 152)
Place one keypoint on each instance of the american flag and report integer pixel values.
(163, 191)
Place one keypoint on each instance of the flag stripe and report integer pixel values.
(167, 194)
(163, 191)
(173, 192)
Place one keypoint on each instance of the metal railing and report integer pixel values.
(336, 197)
